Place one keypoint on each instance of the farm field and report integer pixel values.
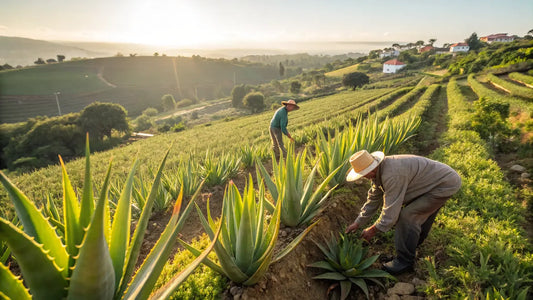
(134, 82)
(455, 261)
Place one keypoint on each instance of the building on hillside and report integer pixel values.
(498, 37)
(389, 53)
(425, 49)
(459, 47)
(392, 66)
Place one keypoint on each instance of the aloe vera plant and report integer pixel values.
(346, 262)
(94, 259)
(245, 247)
(368, 134)
(218, 169)
(299, 203)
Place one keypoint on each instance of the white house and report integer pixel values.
(459, 47)
(498, 37)
(392, 66)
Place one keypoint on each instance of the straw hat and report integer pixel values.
(290, 102)
(363, 163)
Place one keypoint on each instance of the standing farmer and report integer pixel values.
(410, 190)
(278, 126)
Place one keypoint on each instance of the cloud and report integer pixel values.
(3, 27)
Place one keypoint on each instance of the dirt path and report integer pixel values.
(101, 77)
(206, 109)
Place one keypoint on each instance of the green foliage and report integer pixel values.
(473, 42)
(185, 103)
(346, 261)
(245, 248)
(42, 140)
(185, 176)
(168, 102)
(355, 80)
(97, 260)
(237, 95)
(514, 90)
(299, 204)
(485, 243)
(521, 78)
(254, 101)
(368, 134)
(150, 112)
(99, 119)
(218, 169)
(203, 283)
(143, 122)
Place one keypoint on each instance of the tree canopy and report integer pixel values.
(254, 101)
(99, 119)
(355, 80)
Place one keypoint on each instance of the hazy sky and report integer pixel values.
(238, 23)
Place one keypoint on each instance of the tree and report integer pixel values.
(419, 43)
(237, 95)
(99, 119)
(295, 87)
(355, 80)
(51, 61)
(168, 102)
(281, 70)
(39, 61)
(473, 42)
(254, 101)
(432, 41)
(60, 58)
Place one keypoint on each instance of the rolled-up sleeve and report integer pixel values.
(393, 200)
(373, 203)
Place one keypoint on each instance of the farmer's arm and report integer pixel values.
(373, 203)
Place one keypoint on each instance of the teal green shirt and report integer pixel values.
(280, 120)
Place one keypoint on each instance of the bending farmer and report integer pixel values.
(410, 190)
(278, 126)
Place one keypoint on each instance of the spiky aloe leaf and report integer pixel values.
(41, 274)
(93, 276)
(35, 224)
(120, 230)
(11, 287)
(361, 284)
(245, 235)
(331, 276)
(87, 200)
(322, 265)
(346, 286)
(146, 277)
(138, 236)
(71, 214)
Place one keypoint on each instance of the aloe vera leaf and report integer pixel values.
(331, 276)
(322, 265)
(11, 287)
(71, 215)
(146, 277)
(361, 284)
(272, 189)
(135, 246)
(41, 274)
(91, 280)
(207, 261)
(35, 225)
(120, 229)
(87, 200)
(346, 286)
(244, 248)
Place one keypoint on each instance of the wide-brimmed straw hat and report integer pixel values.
(363, 163)
(290, 102)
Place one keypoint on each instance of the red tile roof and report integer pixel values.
(394, 62)
(459, 44)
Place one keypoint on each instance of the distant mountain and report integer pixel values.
(22, 51)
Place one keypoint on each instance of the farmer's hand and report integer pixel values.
(369, 233)
(352, 228)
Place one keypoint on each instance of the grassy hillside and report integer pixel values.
(134, 82)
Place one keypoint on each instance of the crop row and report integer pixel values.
(511, 88)
(480, 226)
(522, 78)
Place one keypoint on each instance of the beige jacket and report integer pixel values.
(401, 179)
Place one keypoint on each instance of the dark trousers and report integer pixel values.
(277, 142)
(414, 224)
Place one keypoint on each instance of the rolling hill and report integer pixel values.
(134, 82)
